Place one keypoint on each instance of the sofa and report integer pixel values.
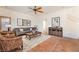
(23, 31)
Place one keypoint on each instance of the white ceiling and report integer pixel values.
(26, 10)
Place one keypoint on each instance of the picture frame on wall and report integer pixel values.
(26, 22)
(23, 22)
(55, 21)
(19, 22)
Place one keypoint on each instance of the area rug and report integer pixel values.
(29, 44)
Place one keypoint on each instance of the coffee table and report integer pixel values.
(31, 34)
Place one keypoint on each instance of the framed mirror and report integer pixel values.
(55, 22)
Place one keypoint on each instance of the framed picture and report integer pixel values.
(23, 22)
(26, 22)
(19, 22)
(55, 21)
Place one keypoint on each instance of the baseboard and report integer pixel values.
(69, 38)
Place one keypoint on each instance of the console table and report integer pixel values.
(56, 31)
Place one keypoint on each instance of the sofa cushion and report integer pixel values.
(21, 29)
(20, 33)
(26, 29)
(16, 30)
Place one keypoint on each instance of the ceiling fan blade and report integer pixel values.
(40, 11)
(39, 8)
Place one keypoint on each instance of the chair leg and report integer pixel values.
(22, 47)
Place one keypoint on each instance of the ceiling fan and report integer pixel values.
(37, 9)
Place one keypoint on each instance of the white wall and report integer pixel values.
(68, 20)
(14, 15)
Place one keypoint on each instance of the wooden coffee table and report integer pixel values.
(30, 35)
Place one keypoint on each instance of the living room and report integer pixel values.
(22, 17)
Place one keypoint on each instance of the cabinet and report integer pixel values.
(56, 31)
